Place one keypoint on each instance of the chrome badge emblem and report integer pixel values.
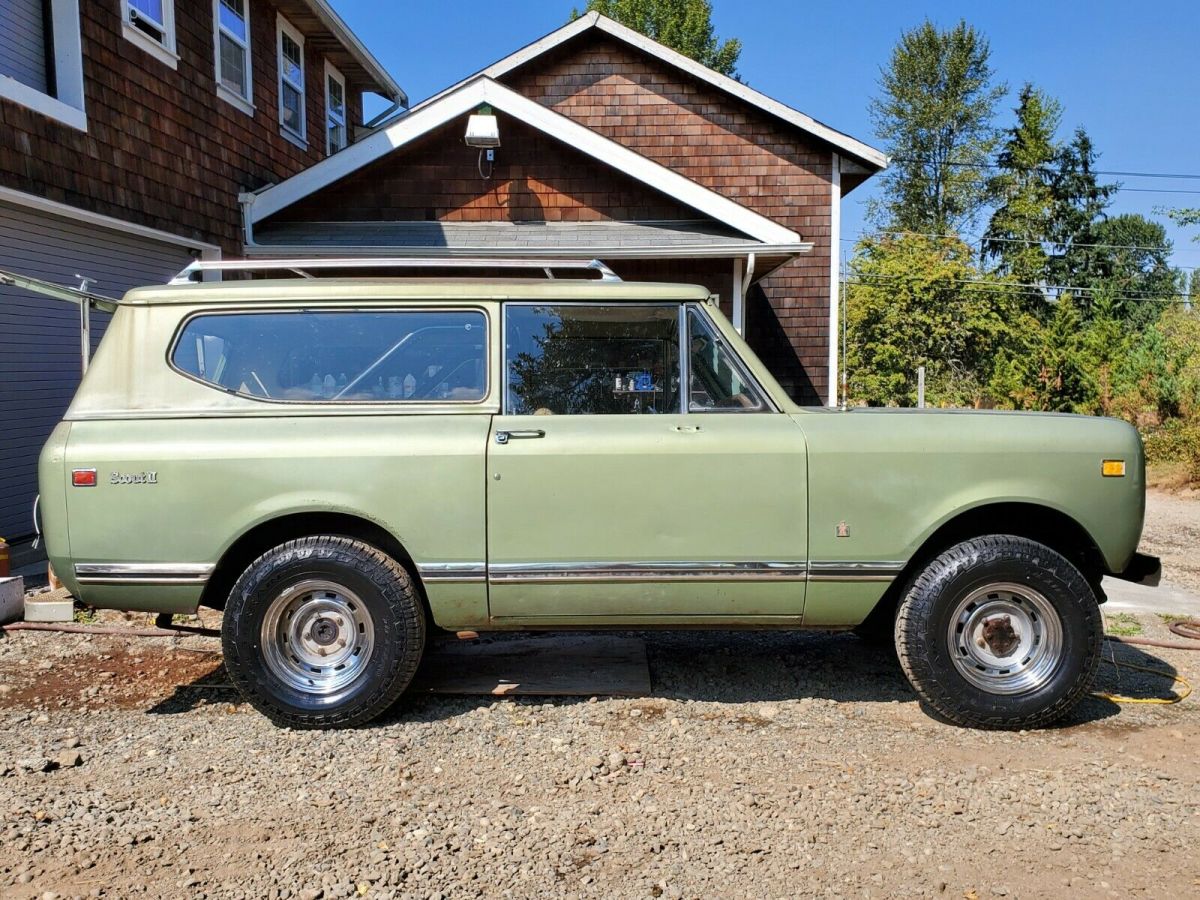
(133, 478)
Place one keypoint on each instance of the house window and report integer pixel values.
(336, 135)
(41, 58)
(291, 81)
(232, 29)
(151, 25)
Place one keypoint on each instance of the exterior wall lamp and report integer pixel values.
(483, 131)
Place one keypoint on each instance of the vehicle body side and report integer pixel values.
(879, 485)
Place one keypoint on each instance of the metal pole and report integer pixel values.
(920, 387)
(85, 334)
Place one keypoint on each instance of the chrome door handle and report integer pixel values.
(503, 437)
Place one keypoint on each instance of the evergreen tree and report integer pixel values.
(935, 117)
(682, 25)
(1080, 202)
(1024, 192)
(1135, 268)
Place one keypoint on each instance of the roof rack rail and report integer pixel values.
(303, 267)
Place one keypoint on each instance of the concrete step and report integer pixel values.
(49, 607)
(12, 599)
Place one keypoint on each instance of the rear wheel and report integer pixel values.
(999, 632)
(323, 632)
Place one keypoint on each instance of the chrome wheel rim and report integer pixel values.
(1006, 639)
(317, 637)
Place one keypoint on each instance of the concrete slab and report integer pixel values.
(553, 664)
(1123, 596)
(12, 599)
(49, 607)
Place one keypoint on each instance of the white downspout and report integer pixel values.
(739, 298)
(835, 248)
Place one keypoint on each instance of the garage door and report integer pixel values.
(39, 337)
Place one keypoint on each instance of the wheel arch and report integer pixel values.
(264, 535)
(1044, 524)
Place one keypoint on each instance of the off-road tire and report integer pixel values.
(928, 605)
(384, 588)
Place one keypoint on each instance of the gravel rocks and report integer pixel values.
(764, 765)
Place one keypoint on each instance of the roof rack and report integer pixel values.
(303, 267)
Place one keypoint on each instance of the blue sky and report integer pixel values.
(1126, 71)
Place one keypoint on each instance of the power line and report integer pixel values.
(1015, 288)
(1048, 170)
(975, 238)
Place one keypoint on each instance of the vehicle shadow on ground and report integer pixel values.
(766, 667)
(744, 667)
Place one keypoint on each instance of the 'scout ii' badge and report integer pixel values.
(133, 478)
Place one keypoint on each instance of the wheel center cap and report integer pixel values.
(998, 633)
(324, 632)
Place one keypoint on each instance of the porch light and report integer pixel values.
(483, 131)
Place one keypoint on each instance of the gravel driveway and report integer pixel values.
(762, 765)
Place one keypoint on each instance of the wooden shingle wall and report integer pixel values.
(162, 149)
(727, 146)
(534, 178)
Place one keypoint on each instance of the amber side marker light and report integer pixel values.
(1113, 468)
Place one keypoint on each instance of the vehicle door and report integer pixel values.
(638, 470)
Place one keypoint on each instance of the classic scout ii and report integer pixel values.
(344, 464)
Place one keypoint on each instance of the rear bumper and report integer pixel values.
(1142, 569)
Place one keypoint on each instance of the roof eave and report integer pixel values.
(710, 251)
(340, 30)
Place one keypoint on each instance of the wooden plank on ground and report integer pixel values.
(582, 665)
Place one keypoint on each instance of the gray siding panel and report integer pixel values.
(39, 337)
(23, 42)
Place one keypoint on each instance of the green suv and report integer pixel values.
(343, 465)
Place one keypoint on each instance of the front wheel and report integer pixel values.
(323, 632)
(999, 632)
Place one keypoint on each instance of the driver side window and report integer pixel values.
(717, 382)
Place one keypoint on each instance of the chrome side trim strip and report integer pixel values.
(594, 573)
(143, 573)
(445, 573)
(854, 571)
(656, 572)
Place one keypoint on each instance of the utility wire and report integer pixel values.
(1049, 170)
(1014, 288)
(974, 238)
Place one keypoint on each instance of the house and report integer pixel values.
(128, 131)
(611, 146)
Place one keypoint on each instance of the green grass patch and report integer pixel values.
(85, 615)
(1172, 618)
(1123, 625)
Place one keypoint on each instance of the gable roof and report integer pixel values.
(468, 96)
(862, 153)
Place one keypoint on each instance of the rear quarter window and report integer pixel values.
(315, 356)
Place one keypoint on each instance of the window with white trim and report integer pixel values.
(41, 58)
(290, 44)
(231, 25)
(337, 135)
(151, 25)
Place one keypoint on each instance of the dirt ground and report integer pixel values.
(762, 765)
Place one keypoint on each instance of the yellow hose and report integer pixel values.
(1174, 698)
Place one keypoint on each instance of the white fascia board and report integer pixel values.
(714, 251)
(556, 125)
(53, 207)
(842, 142)
(348, 39)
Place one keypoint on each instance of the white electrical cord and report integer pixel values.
(491, 167)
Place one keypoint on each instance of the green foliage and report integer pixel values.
(1080, 202)
(915, 300)
(1023, 190)
(1066, 309)
(935, 117)
(682, 25)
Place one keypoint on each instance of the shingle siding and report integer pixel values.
(162, 149)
